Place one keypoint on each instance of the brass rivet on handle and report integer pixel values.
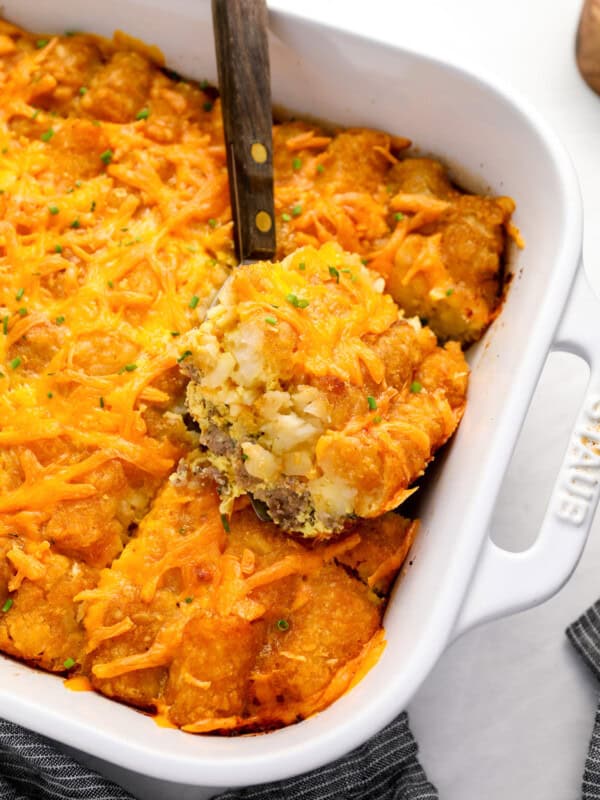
(258, 152)
(263, 221)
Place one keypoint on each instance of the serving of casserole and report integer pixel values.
(107, 364)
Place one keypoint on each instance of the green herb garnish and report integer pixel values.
(75, 224)
(285, 217)
(225, 523)
(16, 362)
(372, 402)
(60, 320)
(194, 301)
(398, 216)
(296, 211)
(68, 663)
(270, 320)
(47, 135)
(415, 387)
(143, 114)
(296, 163)
(184, 355)
(282, 625)
(7, 605)
(20, 293)
(297, 302)
(334, 274)
(41, 43)
(106, 156)
(53, 210)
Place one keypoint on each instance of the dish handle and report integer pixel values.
(507, 582)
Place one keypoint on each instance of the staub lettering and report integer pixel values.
(581, 477)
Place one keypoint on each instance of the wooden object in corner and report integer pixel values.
(587, 46)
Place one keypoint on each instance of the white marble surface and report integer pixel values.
(508, 711)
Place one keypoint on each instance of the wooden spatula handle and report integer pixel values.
(240, 28)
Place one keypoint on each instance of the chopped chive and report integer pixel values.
(70, 190)
(50, 395)
(16, 362)
(302, 266)
(23, 312)
(415, 387)
(449, 292)
(364, 261)
(320, 169)
(47, 135)
(53, 210)
(297, 302)
(60, 320)
(75, 224)
(175, 333)
(296, 211)
(270, 320)
(68, 663)
(194, 301)
(225, 523)
(245, 457)
(189, 600)
(58, 248)
(7, 605)
(106, 156)
(5, 325)
(78, 184)
(35, 113)
(398, 216)
(130, 367)
(20, 293)
(213, 262)
(212, 223)
(282, 625)
(83, 90)
(93, 205)
(41, 43)
(296, 163)
(143, 114)
(377, 419)
(184, 355)
(101, 402)
(207, 106)
(334, 274)
(285, 217)
(372, 402)
(110, 284)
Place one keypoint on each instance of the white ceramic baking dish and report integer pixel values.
(458, 577)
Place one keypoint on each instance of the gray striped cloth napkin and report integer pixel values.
(385, 768)
(584, 635)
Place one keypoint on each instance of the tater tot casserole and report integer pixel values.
(138, 423)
